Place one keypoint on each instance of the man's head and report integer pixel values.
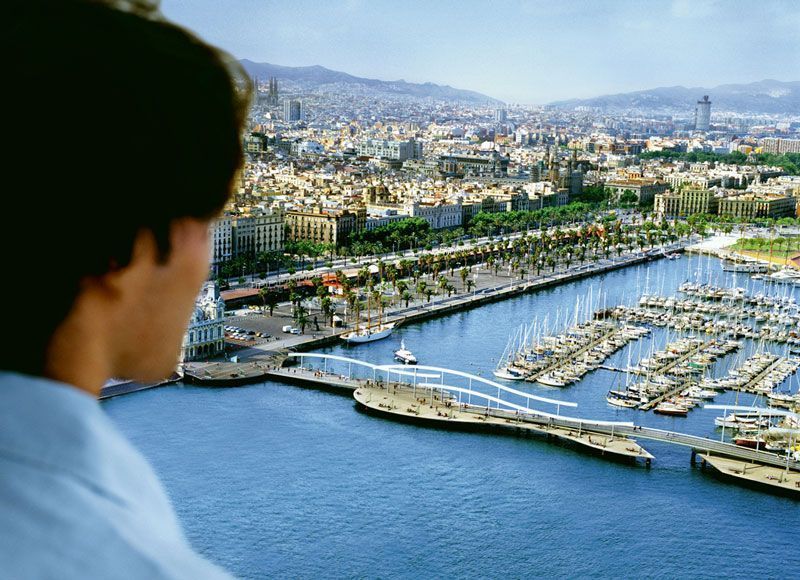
(124, 136)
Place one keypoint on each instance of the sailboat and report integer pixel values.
(370, 332)
(504, 368)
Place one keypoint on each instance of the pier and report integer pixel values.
(402, 402)
(775, 479)
(415, 397)
(750, 386)
(666, 368)
(573, 356)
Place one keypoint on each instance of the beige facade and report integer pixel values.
(751, 206)
(644, 189)
(686, 202)
(326, 227)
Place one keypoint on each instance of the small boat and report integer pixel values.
(671, 409)
(551, 381)
(621, 399)
(751, 442)
(404, 355)
(508, 374)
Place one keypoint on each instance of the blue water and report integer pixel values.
(273, 480)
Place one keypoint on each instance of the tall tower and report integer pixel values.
(702, 115)
(292, 110)
(273, 91)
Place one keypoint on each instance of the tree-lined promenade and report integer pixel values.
(444, 272)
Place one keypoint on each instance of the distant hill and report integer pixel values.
(767, 96)
(319, 76)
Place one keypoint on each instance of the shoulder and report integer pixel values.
(53, 525)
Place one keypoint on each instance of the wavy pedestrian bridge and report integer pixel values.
(454, 399)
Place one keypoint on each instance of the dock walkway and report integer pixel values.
(572, 357)
(671, 365)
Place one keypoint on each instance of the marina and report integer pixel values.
(401, 469)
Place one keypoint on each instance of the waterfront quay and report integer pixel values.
(490, 289)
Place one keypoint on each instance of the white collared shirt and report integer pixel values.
(76, 499)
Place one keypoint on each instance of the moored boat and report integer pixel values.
(508, 374)
(671, 409)
(369, 333)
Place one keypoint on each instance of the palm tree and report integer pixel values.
(442, 283)
(302, 320)
(464, 273)
(270, 299)
(421, 287)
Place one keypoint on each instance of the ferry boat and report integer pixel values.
(369, 333)
(404, 355)
(749, 267)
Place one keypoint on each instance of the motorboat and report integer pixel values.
(671, 409)
(508, 374)
(404, 355)
(551, 380)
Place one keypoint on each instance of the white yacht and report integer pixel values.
(404, 355)
(786, 276)
(508, 374)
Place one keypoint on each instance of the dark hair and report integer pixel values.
(116, 121)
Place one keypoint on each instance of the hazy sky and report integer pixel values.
(526, 51)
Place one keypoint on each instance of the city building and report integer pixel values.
(205, 336)
(686, 202)
(750, 206)
(438, 215)
(221, 241)
(780, 146)
(292, 110)
(395, 150)
(702, 115)
(272, 93)
(492, 164)
(501, 115)
(325, 226)
(269, 230)
(645, 189)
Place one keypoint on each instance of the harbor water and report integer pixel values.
(274, 480)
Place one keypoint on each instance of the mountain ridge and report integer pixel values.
(319, 75)
(766, 96)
